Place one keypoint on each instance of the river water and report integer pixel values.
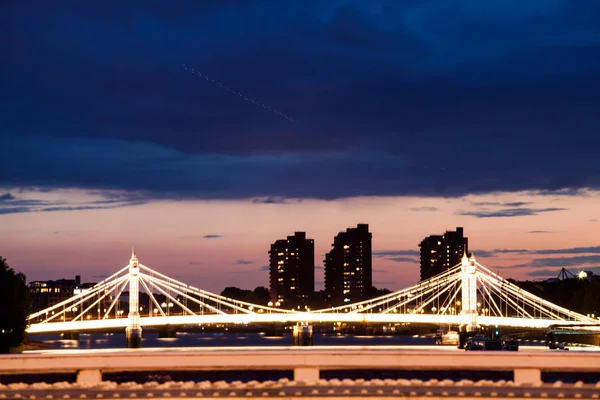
(224, 339)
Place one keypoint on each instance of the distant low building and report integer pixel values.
(45, 294)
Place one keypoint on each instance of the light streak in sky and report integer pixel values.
(239, 94)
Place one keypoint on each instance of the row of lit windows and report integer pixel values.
(47, 290)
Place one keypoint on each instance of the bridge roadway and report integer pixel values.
(311, 317)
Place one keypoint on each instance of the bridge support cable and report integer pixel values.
(432, 298)
(77, 301)
(187, 295)
(517, 293)
(122, 280)
(390, 297)
(420, 298)
(416, 292)
(490, 295)
(106, 283)
(173, 283)
(403, 300)
(151, 295)
(510, 304)
(117, 296)
(178, 289)
(488, 304)
(531, 296)
(508, 299)
(213, 296)
(533, 305)
(159, 284)
(450, 300)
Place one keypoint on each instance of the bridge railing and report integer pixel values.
(306, 363)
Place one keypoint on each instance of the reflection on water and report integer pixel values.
(225, 339)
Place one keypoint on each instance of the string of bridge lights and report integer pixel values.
(241, 95)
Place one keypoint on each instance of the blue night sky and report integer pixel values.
(438, 99)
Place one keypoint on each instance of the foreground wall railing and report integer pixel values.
(306, 363)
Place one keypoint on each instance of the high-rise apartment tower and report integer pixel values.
(440, 252)
(348, 266)
(292, 269)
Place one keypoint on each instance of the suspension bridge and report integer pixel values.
(468, 295)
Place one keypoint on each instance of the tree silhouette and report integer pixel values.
(15, 306)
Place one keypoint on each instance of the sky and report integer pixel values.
(203, 131)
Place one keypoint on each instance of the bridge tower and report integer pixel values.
(134, 330)
(469, 292)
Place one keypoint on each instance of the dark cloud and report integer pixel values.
(212, 236)
(380, 271)
(196, 263)
(404, 259)
(15, 205)
(427, 209)
(593, 220)
(66, 233)
(509, 212)
(571, 250)
(265, 268)
(485, 253)
(565, 261)
(101, 101)
(244, 262)
(553, 273)
(536, 232)
(6, 196)
(394, 253)
(13, 210)
(501, 204)
(319, 267)
(269, 200)
(517, 204)
(384, 283)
